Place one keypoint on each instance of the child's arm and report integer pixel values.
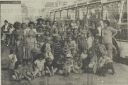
(15, 58)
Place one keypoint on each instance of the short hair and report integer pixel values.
(31, 23)
(106, 22)
(5, 21)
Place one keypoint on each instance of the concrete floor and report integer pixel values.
(119, 78)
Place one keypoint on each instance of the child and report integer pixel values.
(18, 72)
(12, 60)
(73, 46)
(83, 55)
(21, 73)
(68, 65)
(39, 66)
(49, 67)
(48, 53)
(94, 56)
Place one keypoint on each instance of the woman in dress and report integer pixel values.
(31, 39)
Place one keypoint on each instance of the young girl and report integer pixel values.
(68, 64)
(48, 51)
(84, 59)
(12, 60)
(39, 66)
(72, 46)
(49, 67)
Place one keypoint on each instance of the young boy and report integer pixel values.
(39, 66)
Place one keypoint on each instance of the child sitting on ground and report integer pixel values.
(49, 67)
(21, 72)
(39, 66)
(18, 72)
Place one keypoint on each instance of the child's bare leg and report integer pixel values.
(49, 71)
(35, 73)
(52, 71)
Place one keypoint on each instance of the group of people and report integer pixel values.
(49, 47)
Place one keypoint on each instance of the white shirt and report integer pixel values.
(99, 30)
(40, 64)
(13, 58)
(49, 55)
(11, 30)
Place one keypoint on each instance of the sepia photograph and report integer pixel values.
(64, 42)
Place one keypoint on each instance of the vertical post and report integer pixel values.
(102, 10)
(86, 15)
(60, 13)
(75, 13)
(121, 11)
(78, 13)
(54, 16)
(50, 14)
(0, 28)
(67, 13)
(0, 14)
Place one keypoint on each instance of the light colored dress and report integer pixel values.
(39, 66)
(13, 60)
(32, 42)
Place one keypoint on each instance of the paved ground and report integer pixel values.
(119, 78)
(124, 49)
